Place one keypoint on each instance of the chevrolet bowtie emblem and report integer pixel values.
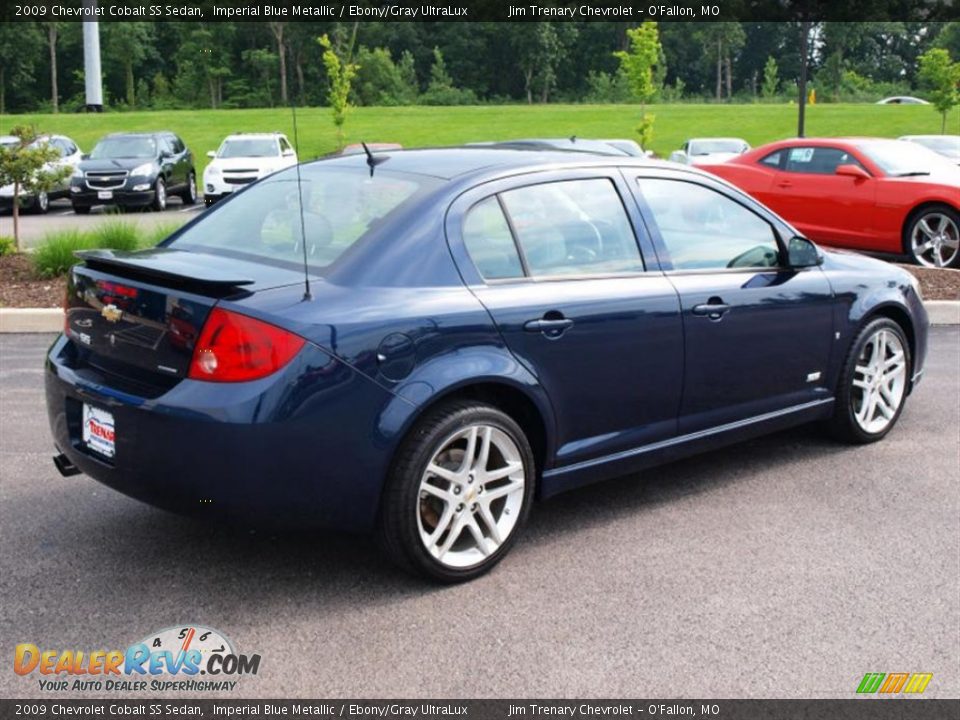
(111, 313)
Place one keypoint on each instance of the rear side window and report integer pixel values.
(773, 159)
(574, 227)
(490, 243)
(705, 230)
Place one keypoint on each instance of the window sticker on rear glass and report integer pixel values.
(801, 155)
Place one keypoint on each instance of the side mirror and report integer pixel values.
(802, 253)
(85, 156)
(851, 170)
(211, 154)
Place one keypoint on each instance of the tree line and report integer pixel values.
(226, 64)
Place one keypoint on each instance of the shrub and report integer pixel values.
(115, 235)
(8, 246)
(54, 255)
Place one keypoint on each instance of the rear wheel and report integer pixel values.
(189, 195)
(459, 493)
(873, 385)
(933, 237)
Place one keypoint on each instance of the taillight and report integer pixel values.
(237, 348)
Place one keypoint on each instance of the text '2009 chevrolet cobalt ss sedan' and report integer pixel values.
(482, 327)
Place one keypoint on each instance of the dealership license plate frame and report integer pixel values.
(104, 194)
(102, 442)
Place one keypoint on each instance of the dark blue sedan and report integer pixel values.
(423, 342)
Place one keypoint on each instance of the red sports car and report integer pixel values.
(864, 193)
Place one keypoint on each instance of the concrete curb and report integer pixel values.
(50, 320)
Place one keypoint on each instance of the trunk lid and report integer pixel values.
(134, 317)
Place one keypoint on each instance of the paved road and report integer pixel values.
(785, 567)
(62, 217)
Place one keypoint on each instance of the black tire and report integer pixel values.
(942, 218)
(189, 195)
(207, 202)
(159, 195)
(81, 209)
(843, 425)
(40, 204)
(399, 534)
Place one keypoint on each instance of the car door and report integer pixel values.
(823, 205)
(168, 162)
(758, 334)
(554, 259)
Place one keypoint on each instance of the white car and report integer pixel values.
(946, 145)
(242, 159)
(701, 151)
(902, 100)
(70, 157)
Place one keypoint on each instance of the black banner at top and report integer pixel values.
(630, 11)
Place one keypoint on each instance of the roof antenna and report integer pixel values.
(373, 161)
(307, 295)
(573, 139)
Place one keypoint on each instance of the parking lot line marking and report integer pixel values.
(191, 208)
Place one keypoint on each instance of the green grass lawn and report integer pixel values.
(419, 126)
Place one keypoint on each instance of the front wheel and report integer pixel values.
(160, 195)
(41, 203)
(459, 493)
(873, 385)
(933, 237)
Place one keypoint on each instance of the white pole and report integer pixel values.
(91, 58)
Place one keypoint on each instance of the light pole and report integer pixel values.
(91, 58)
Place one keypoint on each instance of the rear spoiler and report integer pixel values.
(163, 264)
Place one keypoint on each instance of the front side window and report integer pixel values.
(574, 227)
(817, 160)
(705, 230)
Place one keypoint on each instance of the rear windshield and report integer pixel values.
(249, 147)
(124, 147)
(340, 207)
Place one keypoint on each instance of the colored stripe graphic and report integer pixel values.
(894, 682)
(870, 682)
(918, 682)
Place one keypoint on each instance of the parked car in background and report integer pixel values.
(483, 327)
(69, 157)
(946, 145)
(9, 141)
(902, 100)
(244, 158)
(699, 151)
(863, 193)
(134, 170)
(357, 148)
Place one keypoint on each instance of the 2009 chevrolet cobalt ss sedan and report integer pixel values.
(482, 327)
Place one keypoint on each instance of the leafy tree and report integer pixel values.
(53, 30)
(722, 40)
(831, 76)
(278, 28)
(379, 80)
(949, 39)
(19, 43)
(203, 61)
(540, 48)
(638, 64)
(340, 73)
(771, 79)
(939, 73)
(127, 44)
(29, 167)
(441, 89)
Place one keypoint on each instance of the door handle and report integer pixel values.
(784, 184)
(714, 309)
(551, 327)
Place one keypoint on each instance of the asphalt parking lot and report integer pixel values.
(62, 217)
(785, 567)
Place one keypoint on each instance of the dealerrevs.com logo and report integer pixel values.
(181, 658)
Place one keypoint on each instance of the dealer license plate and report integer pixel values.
(98, 430)
(105, 194)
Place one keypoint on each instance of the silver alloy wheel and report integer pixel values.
(161, 194)
(193, 187)
(43, 202)
(879, 381)
(935, 241)
(470, 496)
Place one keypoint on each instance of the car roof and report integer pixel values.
(268, 135)
(449, 163)
(924, 137)
(148, 134)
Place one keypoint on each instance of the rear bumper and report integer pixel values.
(297, 449)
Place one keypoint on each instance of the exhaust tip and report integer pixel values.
(64, 465)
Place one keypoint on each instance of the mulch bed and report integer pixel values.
(20, 289)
